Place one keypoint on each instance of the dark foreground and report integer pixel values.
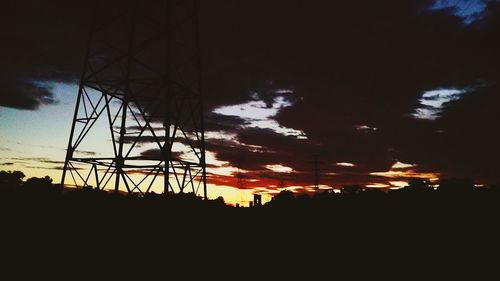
(85, 227)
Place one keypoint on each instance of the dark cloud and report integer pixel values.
(155, 154)
(59, 168)
(36, 159)
(349, 64)
(36, 44)
(24, 94)
(353, 67)
(218, 122)
(152, 153)
(85, 152)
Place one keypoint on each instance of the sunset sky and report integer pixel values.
(378, 92)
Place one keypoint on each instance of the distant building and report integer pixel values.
(257, 199)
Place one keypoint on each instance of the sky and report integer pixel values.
(375, 93)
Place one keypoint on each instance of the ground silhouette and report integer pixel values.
(406, 227)
(419, 202)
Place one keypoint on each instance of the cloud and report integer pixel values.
(155, 154)
(59, 168)
(219, 122)
(85, 152)
(261, 113)
(355, 74)
(26, 95)
(360, 87)
(44, 160)
(345, 164)
(278, 168)
(432, 102)
(37, 47)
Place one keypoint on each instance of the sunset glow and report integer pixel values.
(297, 103)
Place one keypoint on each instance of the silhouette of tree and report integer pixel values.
(304, 196)
(419, 184)
(219, 201)
(11, 178)
(457, 185)
(34, 182)
(324, 196)
(372, 193)
(284, 198)
(351, 189)
(44, 184)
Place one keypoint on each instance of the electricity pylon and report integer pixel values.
(139, 109)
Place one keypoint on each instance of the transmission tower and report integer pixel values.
(281, 183)
(139, 109)
(316, 174)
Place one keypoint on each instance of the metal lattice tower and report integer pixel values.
(139, 110)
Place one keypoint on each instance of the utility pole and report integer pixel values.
(315, 173)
